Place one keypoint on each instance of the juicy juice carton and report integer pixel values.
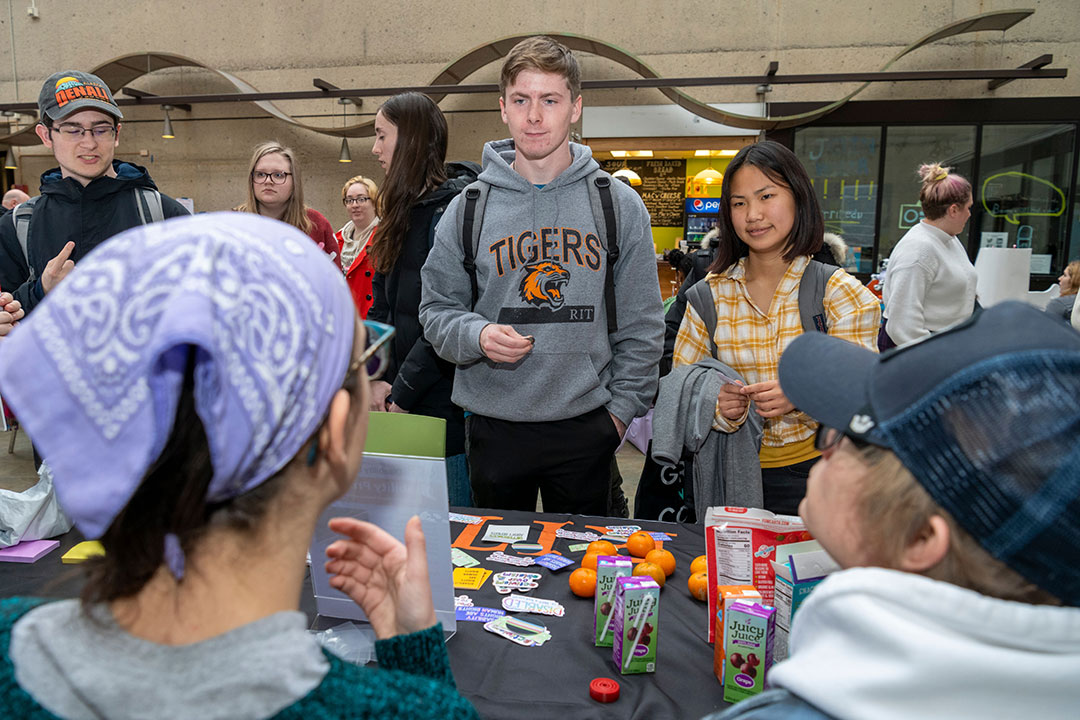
(728, 594)
(636, 621)
(748, 642)
(740, 545)
(609, 568)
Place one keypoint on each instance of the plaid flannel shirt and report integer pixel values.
(751, 341)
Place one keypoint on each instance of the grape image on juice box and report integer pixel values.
(748, 643)
(636, 622)
(609, 568)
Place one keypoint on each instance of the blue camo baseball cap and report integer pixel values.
(986, 417)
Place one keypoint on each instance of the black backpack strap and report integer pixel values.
(603, 186)
(700, 297)
(812, 313)
(472, 196)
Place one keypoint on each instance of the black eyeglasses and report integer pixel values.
(277, 178)
(828, 439)
(72, 131)
(356, 200)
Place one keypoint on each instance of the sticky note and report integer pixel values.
(470, 578)
(28, 552)
(506, 533)
(82, 552)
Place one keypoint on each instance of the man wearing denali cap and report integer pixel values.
(87, 199)
(949, 490)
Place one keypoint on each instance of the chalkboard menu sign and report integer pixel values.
(663, 184)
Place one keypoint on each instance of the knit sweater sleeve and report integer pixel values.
(16, 702)
(420, 653)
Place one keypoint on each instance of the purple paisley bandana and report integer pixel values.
(95, 372)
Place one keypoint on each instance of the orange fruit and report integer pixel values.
(652, 570)
(589, 561)
(700, 564)
(698, 584)
(640, 543)
(601, 547)
(663, 558)
(583, 582)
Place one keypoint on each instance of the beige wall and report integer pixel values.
(282, 46)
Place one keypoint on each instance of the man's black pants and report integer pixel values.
(567, 461)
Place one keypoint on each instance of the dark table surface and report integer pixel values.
(505, 680)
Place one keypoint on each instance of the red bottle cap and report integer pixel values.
(604, 690)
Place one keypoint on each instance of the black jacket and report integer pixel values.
(422, 381)
(68, 211)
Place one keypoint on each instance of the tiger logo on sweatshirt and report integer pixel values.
(542, 284)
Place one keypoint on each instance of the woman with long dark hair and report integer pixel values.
(202, 450)
(771, 228)
(410, 143)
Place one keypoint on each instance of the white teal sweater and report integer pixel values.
(930, 284)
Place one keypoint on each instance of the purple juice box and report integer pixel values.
(609, 568)
(748, 647)
(636, 622)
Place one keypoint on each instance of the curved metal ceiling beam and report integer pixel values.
(120, 71)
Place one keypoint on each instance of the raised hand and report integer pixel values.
(769, 398)
(58, 268)
(388, 580)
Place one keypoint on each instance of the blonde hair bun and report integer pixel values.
(933, 173)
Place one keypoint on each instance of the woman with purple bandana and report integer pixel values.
(198, 420)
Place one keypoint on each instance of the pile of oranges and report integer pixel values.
(657, 563)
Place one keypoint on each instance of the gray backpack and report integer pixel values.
(147, 202)
(811, 301)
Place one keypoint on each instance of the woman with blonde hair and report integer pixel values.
(930, 283)
(1069, 282)
(276, 190)
(360, 196)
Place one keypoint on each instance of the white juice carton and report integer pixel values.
(740, 544)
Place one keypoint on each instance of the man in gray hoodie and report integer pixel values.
(548, 382)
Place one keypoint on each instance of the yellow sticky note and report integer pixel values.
(82, 552)
(470, 578)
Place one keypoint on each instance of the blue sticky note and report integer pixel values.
(554, 562)
(478, 614)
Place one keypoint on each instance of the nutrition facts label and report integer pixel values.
(734, 559)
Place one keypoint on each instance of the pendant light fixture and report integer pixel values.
(344, 156)
(625, 172)
(709, 176)
(10, 161)
(167, 131)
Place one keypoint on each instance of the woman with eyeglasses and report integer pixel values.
(201, 451)
(360, 196)
(276, 190)
(410, 143)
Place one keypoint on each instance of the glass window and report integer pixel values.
(906, 148)
(1026, 174)
(843, 166)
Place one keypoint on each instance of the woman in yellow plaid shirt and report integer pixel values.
(771, 228)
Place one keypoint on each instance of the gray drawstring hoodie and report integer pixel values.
(541, 269)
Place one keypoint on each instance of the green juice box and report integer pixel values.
(637, 624)
(748, 646)
(609, 568)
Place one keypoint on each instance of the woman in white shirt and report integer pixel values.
(930, 283)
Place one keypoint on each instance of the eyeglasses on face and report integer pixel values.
(376, 355)
(356, 200)
(827, 439)
(277, 178)
(74, 131)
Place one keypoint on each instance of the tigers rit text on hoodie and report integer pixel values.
(541, 265)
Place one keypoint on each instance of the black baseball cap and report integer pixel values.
(986, 417)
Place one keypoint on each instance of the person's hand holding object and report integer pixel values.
(731, 402)
(504, 344)
(388, 580)
(11, 312)
(769, 398)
